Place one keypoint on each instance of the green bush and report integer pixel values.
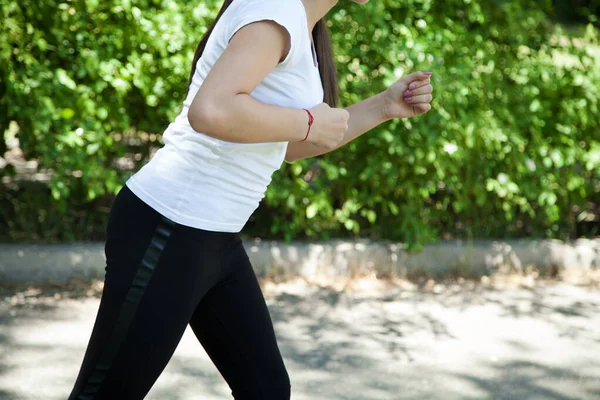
(511, 147)
(29, 214)
(519, 106)
(77, 75)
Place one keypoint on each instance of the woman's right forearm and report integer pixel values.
(243, 119)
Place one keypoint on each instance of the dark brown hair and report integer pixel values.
(323, 47)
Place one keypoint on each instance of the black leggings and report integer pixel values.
(160, 276)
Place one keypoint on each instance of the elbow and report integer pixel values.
(205, 117)
(289, 157)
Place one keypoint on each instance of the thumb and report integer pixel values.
(417, 76)
(419, 109)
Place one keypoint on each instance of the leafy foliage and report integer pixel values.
(511, 148)
(78, 75)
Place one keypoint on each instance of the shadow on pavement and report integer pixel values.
(8, 395)
(381, 345)
(529, 380)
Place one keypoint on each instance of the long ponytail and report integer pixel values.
(327, 70)
(323, 48)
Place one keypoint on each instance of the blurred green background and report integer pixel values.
(511, 148)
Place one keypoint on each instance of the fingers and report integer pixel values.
(419, 109)
(425, 98)
(426, 88)
(419, 92)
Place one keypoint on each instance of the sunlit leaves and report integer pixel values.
(511, 146)
(498, 155)
(106, 67)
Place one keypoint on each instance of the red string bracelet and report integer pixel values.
(311, 119)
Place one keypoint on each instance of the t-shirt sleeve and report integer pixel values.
(287, 14)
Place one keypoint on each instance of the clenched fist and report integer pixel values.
(329, 126)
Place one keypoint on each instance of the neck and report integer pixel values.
(316, 10)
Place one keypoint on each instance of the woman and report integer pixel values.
(173, 252)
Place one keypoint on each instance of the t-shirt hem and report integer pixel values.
(192, 222)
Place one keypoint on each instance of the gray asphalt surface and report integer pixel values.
(401, 342)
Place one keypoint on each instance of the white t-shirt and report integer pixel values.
(206, 183)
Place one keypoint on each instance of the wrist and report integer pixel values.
(301, 123)
(311, 120)
(383, 102)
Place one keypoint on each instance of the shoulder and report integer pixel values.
(289, 13)
(285, 6)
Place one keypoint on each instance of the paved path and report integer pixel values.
(453, 342)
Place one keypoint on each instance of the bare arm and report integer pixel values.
(409, 97)
(223, 108)
(364, 116)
